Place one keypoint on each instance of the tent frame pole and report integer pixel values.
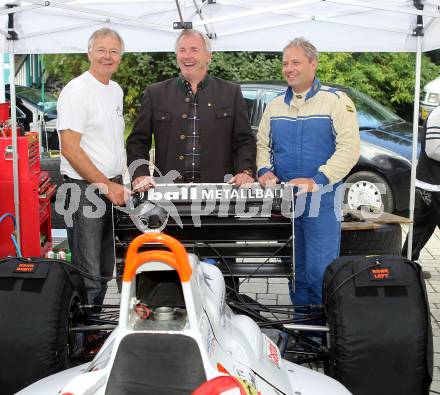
(415, 139)
(12, 36)
(383, 7)
(103, 16)
(14, 142)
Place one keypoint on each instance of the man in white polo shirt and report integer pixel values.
(91, 131)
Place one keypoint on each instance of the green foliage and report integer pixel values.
(66, 67)
(246, 66)
(387, 77)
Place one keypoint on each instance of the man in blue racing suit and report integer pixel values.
(309, 138)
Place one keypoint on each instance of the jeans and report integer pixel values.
(426, 219)
(91, 238)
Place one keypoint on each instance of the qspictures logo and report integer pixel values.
(152, 210)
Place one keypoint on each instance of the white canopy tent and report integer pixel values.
(64, 26)
(249, 25)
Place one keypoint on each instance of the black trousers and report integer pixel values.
(426, 218)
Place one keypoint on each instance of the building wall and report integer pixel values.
(30, 72)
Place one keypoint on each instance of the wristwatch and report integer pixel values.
(249, 172)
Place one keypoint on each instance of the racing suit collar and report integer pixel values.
(316, 85)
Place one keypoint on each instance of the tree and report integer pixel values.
(387, 77)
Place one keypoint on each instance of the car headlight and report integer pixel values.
(433, 98)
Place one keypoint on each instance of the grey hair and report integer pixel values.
(188, 32)
(105, 31)
(307, 46)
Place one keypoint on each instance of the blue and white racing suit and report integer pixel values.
(313, 135)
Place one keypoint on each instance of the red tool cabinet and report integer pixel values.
(35, 192)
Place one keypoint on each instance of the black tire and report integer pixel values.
(52, 166)
(56, 219)
(380, 337)
(386, 240)
(366, 179)
(120, 266)
(75, 340)
(37, 310)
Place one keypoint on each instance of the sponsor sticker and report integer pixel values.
(210, 343)
(25, 268)
(272, 352)
(381, 274)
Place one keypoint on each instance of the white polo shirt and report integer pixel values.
(95, 110)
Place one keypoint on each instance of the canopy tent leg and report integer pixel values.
(415, 139)
(12, 100)
(2, 78)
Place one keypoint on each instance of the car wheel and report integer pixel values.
(385, 240)
(38, 310)
(365, 188)
(52, 166)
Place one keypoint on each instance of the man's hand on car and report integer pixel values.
(118, 194)
(143, 183)
(304, 185)
(268, 179)
(243, 179)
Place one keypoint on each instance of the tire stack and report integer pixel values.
(385, 240)
(52, 166)
(36, 299)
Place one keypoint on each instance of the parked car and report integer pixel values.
(386, 141)
(430, 98)
(30, 100)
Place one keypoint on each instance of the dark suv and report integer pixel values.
(30, 101)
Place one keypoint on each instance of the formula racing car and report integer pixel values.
(176, 332)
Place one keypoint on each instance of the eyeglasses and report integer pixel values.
(112, 52)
